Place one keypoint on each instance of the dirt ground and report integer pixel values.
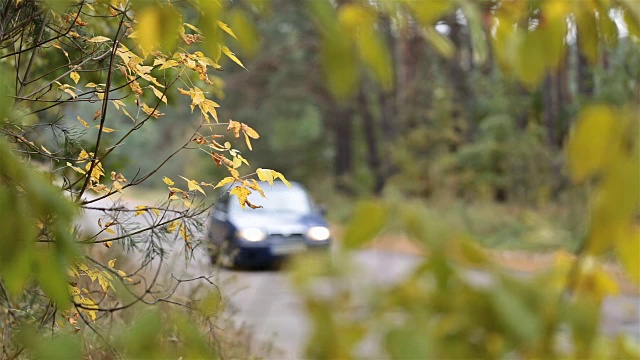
(517, 260)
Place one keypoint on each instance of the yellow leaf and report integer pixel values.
(84, 156)
(135, 87)
(193, 28)
(107, 244)
(111, 263)
(224, 182)
(76, 169)
(116, 184)
(246, 139)
(141, 209)
(265, 175)
(234, 173)
(127, 113)
(227, 29)
(70, 92)
(208, 106)
(235, 126)
(120, 177)
(168, 181)
(249, 131)
(45, 149)
(281, 177)
(193, 185)
(241, 193)
(110, 230)
(236, 162)
(99, 188)
(151, 112)
(73, 291)
(105, 129)
(75, 76)
(628, 250)
(172, 226)
(169, 64)
(148, 29)
(594, 280)
(151, 79)
(592, 142)
(104, 283)
(84, 123)
(253, 185)
(98, 39)
(183, 233)
(232, 56)
(158, 94)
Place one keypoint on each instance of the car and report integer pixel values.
(289, 222)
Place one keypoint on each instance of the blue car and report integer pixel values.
(288, 223)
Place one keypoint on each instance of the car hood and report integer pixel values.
(277, 222)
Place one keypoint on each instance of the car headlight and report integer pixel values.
(252, 234)
(318, 233)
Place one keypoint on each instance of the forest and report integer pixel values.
(459, 133)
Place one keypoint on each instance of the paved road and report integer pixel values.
(266, 302)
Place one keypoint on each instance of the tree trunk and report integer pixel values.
(550, 108)
(373, 152)
(343, 130)
(462, 96)
(388, 100)
(585, 76)
(564, 97)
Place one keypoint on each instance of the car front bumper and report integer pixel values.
(266, 254)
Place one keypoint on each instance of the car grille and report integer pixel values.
(282, 239)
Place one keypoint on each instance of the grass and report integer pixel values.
(541, 228)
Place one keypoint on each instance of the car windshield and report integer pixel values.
(278, 200)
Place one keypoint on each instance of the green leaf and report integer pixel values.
(514, 315)
(409, 343)
(368, 220)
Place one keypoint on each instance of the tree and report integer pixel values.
(122, 62)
